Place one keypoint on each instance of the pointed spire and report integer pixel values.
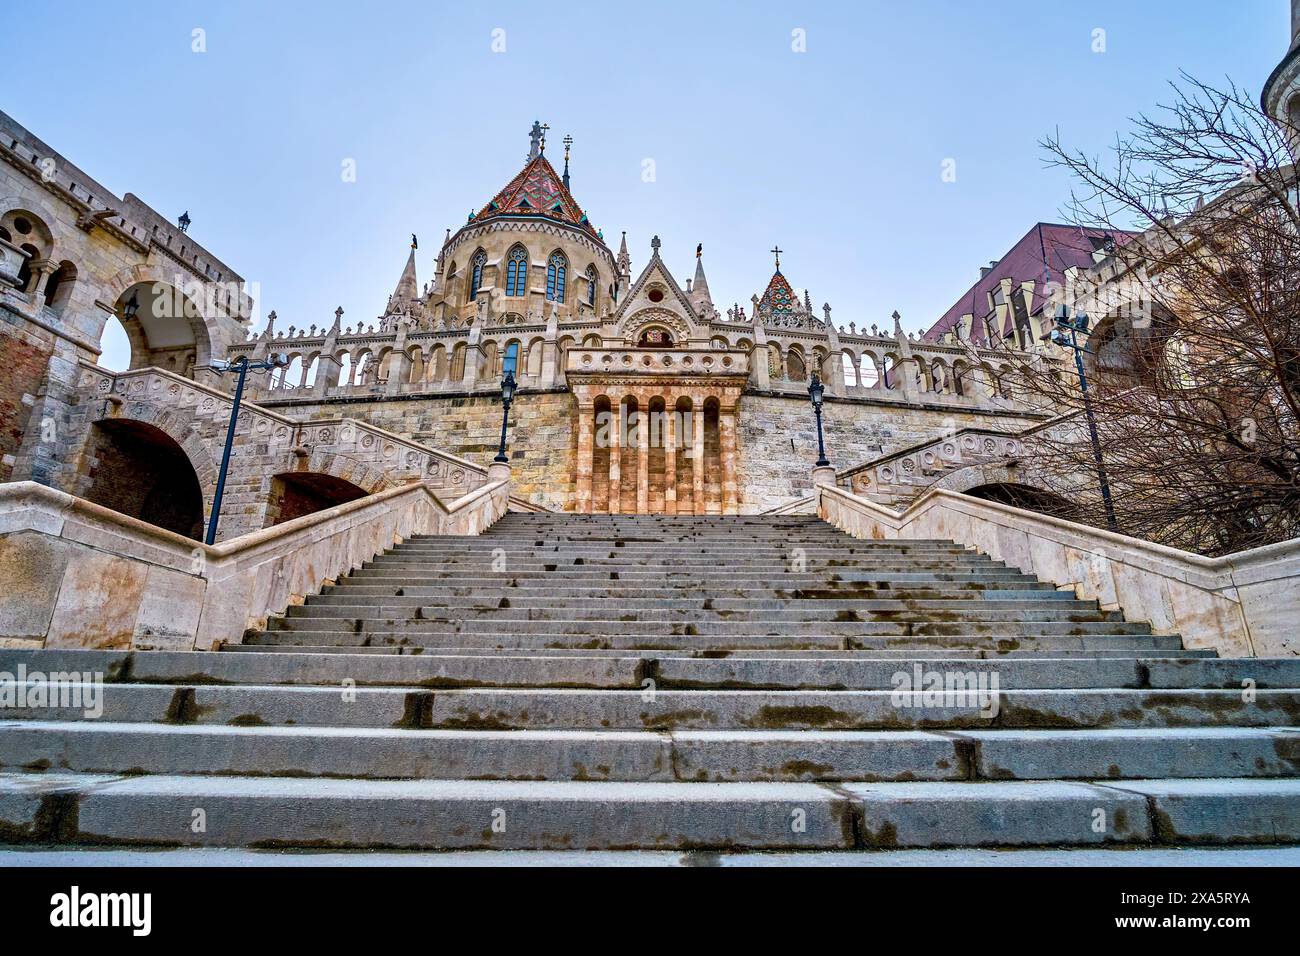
(338, 321)
(700, 285)
(624, 259)
(408, 289)
(568, 142)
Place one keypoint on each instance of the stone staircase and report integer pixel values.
(691, 683)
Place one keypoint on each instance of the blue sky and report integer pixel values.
(835, 153)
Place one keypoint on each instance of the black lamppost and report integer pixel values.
(241, 365)
(815, 390)
(1066, 335)
(507, 396)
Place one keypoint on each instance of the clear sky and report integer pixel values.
(835, 153)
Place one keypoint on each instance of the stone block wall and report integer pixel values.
(541, 441)
(778, 439)
(25, 355)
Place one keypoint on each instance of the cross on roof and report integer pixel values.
(544, 128)
(776, 251)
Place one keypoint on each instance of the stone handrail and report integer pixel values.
(76, 574)
(1240, 605)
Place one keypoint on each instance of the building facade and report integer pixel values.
(637, 393)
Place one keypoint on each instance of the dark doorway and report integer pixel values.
(140, 471)
(294, 494)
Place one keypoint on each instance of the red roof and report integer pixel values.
(1045, 252)
(536, 191)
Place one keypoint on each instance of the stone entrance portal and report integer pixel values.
(656, 429)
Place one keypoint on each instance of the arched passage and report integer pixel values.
(298, 493)
(1025, 496)
(139, 470)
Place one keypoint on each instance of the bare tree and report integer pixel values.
(1193, 354)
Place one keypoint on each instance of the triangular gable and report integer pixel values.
(655, 267)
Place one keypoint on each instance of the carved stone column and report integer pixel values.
(642, 455)
(586, 449)
(670, 454)
(697, 454)
(616, 456)
(727, 443)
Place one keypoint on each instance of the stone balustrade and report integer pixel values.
(75, 574)
(1240, 605)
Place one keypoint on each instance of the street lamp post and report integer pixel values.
(815, 392)
(1066, 335)
(241, 365)
(507, 396)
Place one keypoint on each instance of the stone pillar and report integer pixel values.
(43, 269)
(697, 454)
(586, 438)
(642, 456)
(616, 456)
(727, 446)
(670, 455)
(550, 352)
(823, 475)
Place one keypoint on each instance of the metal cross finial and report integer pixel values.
(776, 251)
(568, 141)
(544, 128)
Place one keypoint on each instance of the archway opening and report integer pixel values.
(140, 471)
(163, 328)
(1027, 497)
(298, 493)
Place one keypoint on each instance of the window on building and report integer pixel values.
(511, 363)
(555, 272)
(476, 273)
(517, 272)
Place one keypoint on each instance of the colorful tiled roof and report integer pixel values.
(779, 297)
(537, 191)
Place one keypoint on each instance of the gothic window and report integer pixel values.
(476, 273)
(555, 271)
(511, 363)
(591, 285)
(517, 272)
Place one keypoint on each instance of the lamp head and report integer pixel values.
(508, 386)
(131, 308)
(816, 390)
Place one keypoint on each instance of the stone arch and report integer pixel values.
(156, 284)
(639, 321)
(138, 469)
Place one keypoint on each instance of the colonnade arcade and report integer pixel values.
(655, 442)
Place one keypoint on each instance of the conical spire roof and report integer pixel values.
(778, 299)
(700, 285)
(408, 289)
(537, 191)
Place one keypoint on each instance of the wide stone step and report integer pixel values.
(766, 625)
(975, 708)
(385, 603)
(350, 590)
(452, 814)
(916, 653)
(505, 610)
(1135, 644)
(600, 669)
(684, 755)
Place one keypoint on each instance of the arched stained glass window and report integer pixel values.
(591, 285)
(476, 273)
(555, 272)
(517, 272)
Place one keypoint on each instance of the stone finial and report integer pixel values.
(654, 246)
(826, 311)
(898, 323)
